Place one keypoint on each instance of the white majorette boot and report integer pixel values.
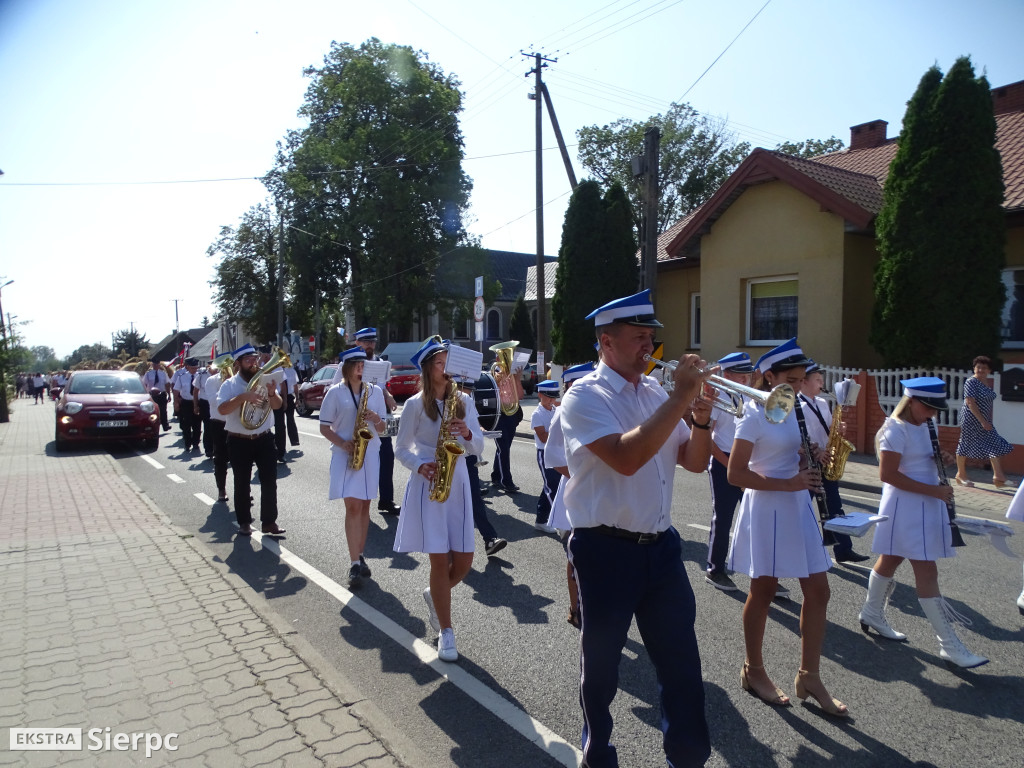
(1020, 602)
(942, 616)
(873, 613)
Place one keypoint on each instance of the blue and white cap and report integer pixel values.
(812, 366)
(353, 354)
(577, 372)
(549, 387)
(786, 355)
(737, 362)
(930, 390)
(242, 351)
(430, 347)
(632, 310)
(366, 334)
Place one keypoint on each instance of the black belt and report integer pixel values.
(621, 533)
(240, 436)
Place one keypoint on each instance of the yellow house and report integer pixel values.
(786, 248)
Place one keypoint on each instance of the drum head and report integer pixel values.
(488, 405)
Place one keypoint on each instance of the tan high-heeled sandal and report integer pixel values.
(964, 483)
(780, 700)
(1001, 484)
(829, 706)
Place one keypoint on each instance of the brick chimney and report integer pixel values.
(1008, 98)
(868, 135)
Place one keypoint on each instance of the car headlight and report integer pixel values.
(72, 408)
(148, 406)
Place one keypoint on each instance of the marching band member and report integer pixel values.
(367, 339)
(724, 496)
(624, 435)
(818, 417)
(441, 529)
(918, 528)
(540, 421)
(342, 404)
(777, 535)
(554, 458)
(1016, 512)
(218, 437)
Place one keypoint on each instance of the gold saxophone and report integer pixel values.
(447, 451)
(361, 435)
(837, 450)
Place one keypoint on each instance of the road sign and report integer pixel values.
(478, 309)
(312, 343)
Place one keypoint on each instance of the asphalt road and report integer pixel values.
(518, 656)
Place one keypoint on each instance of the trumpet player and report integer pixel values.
(436, 415)
(818, 417)
(352, 420)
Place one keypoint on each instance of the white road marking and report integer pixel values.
(152, 462)
(205, 499)
(699, 527)
(312, 434)
(522, 722)
(176, 479)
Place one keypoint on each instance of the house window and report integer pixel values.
(695, 320)
(771, 310)
(493, 324)
(1011, 327)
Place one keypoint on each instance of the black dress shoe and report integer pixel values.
(851, 557)
(511, 488)
(389, 508)
(273, 529)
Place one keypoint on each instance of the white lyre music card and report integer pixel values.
(464, 362)
(377, 371)
(521, 359)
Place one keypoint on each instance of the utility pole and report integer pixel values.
(646, 165)
(176, 313)
(280, 279)
(558, 137)
(537, 95)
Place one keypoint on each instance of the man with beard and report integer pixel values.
(250, 446)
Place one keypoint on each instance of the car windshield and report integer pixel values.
(105, 384)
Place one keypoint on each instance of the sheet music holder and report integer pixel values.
(854, 523)
(464, 362)
(377, 371)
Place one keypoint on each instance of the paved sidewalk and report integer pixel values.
(113, 618)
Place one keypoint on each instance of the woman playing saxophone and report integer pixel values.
(345, 405)
(441, 529)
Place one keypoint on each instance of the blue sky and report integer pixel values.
(98, 98)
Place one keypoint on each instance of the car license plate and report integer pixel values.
(113, 423)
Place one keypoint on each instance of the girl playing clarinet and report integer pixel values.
(919, 526)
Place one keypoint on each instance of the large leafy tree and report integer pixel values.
(130, 341)
(376, 178)
(941, 231)
(697, 154)
(811, 147)
(246, 276)
(596, 263)
(88, 352)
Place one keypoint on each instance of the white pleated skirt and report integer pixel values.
(362, 483)
(432, 527)
(917, 528)
(777, 534)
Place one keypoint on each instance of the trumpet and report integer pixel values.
(777, 404)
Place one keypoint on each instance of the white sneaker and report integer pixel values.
(446, 645)
(434, 622)
(781, 591)
(544, 527)
(1020, 603)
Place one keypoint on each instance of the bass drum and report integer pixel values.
(488, 402)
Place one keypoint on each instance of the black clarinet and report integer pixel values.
(954, 529)
(827, 537)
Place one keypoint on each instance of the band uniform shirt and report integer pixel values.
(541, 418)
(233, 387)
(212, 388)
(291, 378)
(176, 377)
(817, 432)
(155, 380)
(199, 382)
(723, 430)
(603, 403)
(183, 384)
(554, 456)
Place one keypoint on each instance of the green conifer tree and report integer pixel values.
(941, 230)
(520, 327)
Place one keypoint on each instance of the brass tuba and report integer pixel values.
(447, 451)
(254, 414)
(361, 435)
(501, 371)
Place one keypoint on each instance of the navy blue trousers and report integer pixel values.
(619, 579)
(550, 478)
(479, 508)
(385, 482)
(724, 498)
(844, 544)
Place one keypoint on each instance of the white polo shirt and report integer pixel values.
(603, 403)
(212, 388)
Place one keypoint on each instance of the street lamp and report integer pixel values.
(4, 417)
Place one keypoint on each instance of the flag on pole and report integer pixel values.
(213, 351)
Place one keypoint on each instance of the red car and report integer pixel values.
(404, 381)
(310, 394)
(97, 406)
